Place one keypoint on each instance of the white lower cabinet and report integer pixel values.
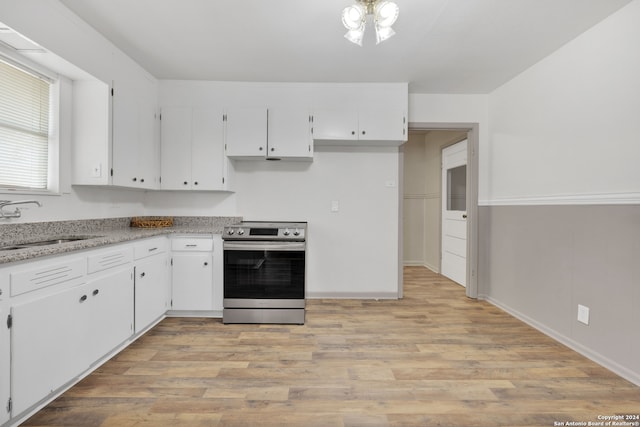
(110, 313)
(192, 274)
(5, 363)
(151, 291)
(59, 335)
(48, 336)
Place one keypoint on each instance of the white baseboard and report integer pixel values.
(615, 367)
(195, 313)
(352, 295)
(421, 264)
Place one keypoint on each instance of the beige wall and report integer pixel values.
(422, 188)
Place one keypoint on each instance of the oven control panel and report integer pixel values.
(294, 231)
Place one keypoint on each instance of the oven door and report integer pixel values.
(258, 271)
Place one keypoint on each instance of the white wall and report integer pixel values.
(466, 109)
(352, 252)
(566, 130)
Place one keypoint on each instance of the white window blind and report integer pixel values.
(24, 129)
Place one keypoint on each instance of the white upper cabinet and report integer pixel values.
(382, 124)
(175, 148)
(115, 129)
(192, 149)
(366, 126)
(208, 164)
(274, 133)
(335, 124)
(289, 135)
(246, 132)
(135, 145)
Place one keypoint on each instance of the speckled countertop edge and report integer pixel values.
(99, 232)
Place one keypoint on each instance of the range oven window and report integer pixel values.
(266, 274)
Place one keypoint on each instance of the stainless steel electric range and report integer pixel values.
(264, 272)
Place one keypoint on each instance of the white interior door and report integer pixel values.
(454, 212)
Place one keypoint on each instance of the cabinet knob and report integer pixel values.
(141, 179)
(134, 179)
(206, 263)
(83, 298)
(260, 148)
(195, 183)
(363, 132)
(142, 274)
(96, 292)
(273, 149)
(353, 132)
(185, 183)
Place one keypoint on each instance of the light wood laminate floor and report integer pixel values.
(434, 358)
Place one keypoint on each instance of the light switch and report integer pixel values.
(335, 206)
(583, 314)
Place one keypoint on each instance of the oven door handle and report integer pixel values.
(264, 246)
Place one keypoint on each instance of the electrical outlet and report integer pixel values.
(583, 314)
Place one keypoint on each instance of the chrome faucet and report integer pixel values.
(16, 213)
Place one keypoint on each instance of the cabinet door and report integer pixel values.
(380, 124)
(110, 318)
(192, 279)
(335, 124)
(135, 160)
(149, 140)
(5, 357)
(207, 149)
(175, 148)
(246, 132)
(47, 340)
(91, 128)
(151, 291)
(289, 134)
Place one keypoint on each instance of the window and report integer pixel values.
(24, 128)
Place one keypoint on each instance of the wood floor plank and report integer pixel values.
(434, 358)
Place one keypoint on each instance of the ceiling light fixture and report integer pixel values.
(383, 13)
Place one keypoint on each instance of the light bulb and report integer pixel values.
(353, 17)
(386, 13)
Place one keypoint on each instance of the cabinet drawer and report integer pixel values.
(199, 244)
(150, 247)
(39, 277)
(106, 260)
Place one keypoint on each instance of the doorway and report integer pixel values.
(422, 213)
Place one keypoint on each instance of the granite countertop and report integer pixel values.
(98, 232)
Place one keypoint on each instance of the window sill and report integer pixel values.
(29, 192)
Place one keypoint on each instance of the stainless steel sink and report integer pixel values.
(48, 242)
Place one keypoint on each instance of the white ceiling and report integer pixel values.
(441, 46)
